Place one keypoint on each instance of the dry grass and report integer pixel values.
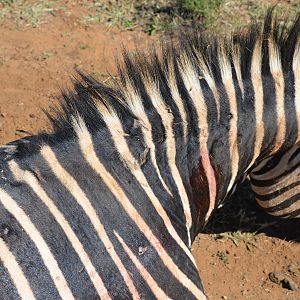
(26, 13)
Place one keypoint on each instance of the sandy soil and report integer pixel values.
(36, 62)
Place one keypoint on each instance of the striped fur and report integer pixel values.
(276, 184)
(107, 205)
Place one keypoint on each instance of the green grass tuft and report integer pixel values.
(47, 54)
(223, 256)
(26, 13)
(207, 9)
(218, 16)
(248, 238)
(113, 13)
(151, 16)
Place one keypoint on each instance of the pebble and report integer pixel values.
(280, 278)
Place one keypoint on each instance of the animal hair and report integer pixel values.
(207, 55)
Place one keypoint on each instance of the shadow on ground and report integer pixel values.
(241, 212)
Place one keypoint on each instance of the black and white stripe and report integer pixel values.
(276, 184)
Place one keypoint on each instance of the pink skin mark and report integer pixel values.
(211, 179)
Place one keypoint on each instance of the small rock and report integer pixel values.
(280, 278)
(290, 284)
(276, 277)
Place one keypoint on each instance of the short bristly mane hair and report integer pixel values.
(207, 55)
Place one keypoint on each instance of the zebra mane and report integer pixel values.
(207, 56)
(150, 80)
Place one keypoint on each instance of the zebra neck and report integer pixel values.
(260, 122)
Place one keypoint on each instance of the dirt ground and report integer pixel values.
(241, 245)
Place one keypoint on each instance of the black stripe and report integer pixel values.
(294, 214)
(283, 205)
(114, 217)
(56, 239)
(270, 165)
(76, 216)
(138, 197)
(158, 130)
(295, 154)
(290, 110)
(221, 159)
(277, 193)
(8, 290)
(270, 100)
(274, 180)
(148, 257)
(136, 144)
(27, 254)
(245, 122)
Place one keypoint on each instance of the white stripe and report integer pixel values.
(192, 85)
(170, 147)
(277, 73)
(115, 127)
(296, 69)
(86, 145)
(171, 79)
(281, 167)
(257, 85)
(207, 76)
(15, 272)
(260, 166)
(47, 257)
(72, 186)
(28, 178)
(236, 60)
(226, 75)
(290, 209)
(135, 105)
(152, 284)
(279, 199)
(284, 181)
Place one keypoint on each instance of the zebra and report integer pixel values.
(107, 205)
(275, 183)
